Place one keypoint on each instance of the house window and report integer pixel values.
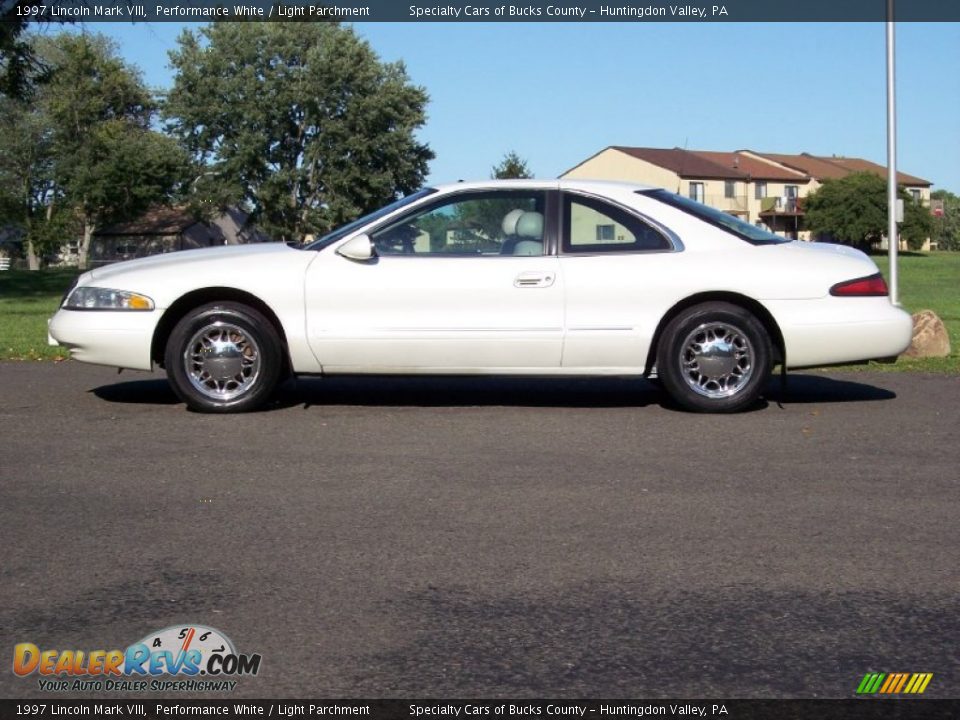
(760, 190)
(915, 194)
(791, 192)
(696, 191)
(730, 188)
(606, 233)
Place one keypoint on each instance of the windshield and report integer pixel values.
(753, 234)
(344, 230)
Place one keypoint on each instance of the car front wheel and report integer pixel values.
(715, 357)
(223, 357)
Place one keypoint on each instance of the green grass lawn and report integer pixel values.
(929, 282)
(27, 299)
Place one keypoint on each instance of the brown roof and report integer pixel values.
(714, 165)
(685, 163)
(754, 168)
(749, 165)
(825, 168)
(807, 164)
(858, 165)
(155, 221)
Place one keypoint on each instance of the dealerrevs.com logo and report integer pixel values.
(185, 658)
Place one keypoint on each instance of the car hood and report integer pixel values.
(169, 261)
(264, 270)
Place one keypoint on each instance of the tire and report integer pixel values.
(715, 358)
(224, 358)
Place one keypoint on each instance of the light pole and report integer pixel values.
(893, 237)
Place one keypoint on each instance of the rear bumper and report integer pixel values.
(834, 331)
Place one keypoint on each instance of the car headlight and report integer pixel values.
(94, 298)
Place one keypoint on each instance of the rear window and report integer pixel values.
(594, 226)
(752, 234)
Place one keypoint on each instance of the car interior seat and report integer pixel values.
(523, 233)
(530, 232)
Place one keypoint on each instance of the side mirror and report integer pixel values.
(359, 248)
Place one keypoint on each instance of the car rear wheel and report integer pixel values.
(715, 357)
(223, 357)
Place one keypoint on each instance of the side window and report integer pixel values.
(471, 224)
(593, 226)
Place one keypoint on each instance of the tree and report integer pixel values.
(26, 166)
(17, 61)
(512, 166)
(19, 64)
(299, 120)
(76, 148)
(946, 227)
(108, 165)
(853, 210)
(26, 174)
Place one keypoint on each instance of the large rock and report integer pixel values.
(930, 337)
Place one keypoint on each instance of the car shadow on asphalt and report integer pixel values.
(138, 392)
(474, 391)
(374, 391)
(805, 388)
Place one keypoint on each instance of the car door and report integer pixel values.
(467, 283)
(621, 273)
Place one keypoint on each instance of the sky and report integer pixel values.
(557, 93)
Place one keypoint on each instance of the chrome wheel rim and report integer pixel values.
(716, 360)
(222, 361)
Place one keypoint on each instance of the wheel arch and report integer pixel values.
(195, 299)
(747, 303)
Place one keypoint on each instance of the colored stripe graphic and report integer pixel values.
(891, 679)
(894, 683)
(869, 683)
(927, 677)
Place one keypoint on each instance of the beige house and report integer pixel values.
(761, 188)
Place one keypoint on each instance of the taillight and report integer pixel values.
(870, 286)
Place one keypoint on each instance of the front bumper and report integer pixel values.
(105, 337)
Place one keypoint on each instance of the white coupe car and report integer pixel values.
(518, 277)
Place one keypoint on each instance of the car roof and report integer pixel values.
(596, 186)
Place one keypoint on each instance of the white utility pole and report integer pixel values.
(893, 237)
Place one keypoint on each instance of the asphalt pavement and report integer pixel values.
(380, 537)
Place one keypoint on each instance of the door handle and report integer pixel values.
(533, 279)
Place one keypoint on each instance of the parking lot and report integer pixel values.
(450, 537)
